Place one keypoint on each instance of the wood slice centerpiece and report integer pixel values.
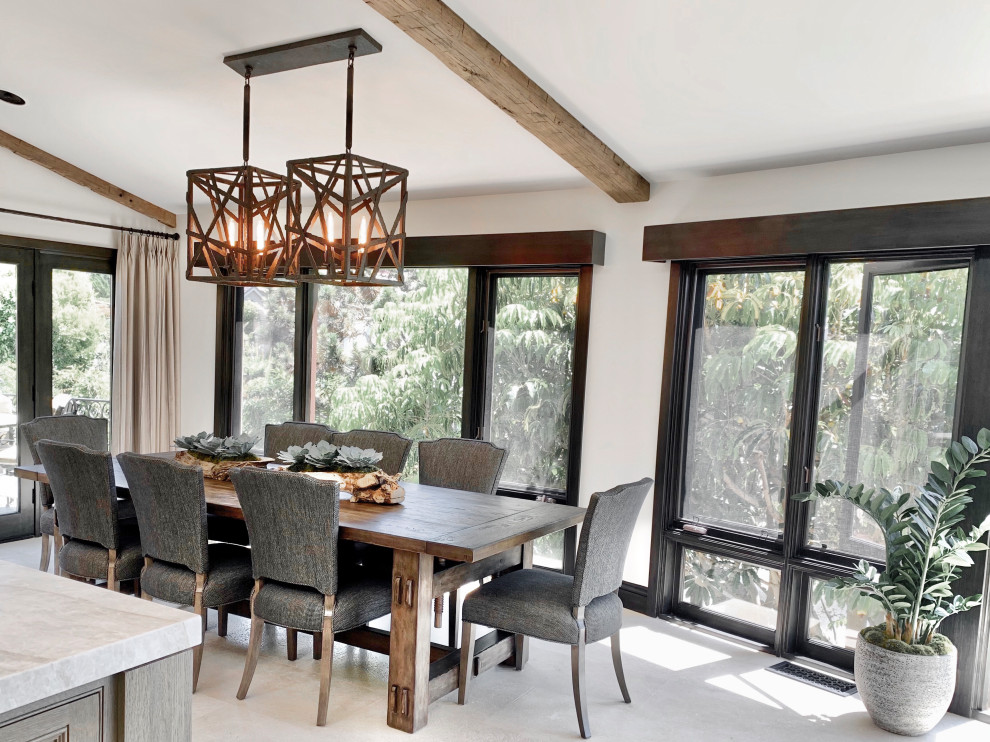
(216, 468)
(377, 486)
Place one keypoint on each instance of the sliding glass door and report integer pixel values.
(825, 369)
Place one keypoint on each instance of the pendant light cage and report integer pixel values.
(354, 234)
(235, 232)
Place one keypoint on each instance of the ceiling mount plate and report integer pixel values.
(305, 53)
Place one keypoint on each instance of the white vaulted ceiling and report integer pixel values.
(135, 92)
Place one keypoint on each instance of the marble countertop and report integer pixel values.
(57, 634)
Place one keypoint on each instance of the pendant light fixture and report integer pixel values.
(235, 235)
(349, 227)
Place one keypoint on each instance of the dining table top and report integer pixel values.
(451, 524)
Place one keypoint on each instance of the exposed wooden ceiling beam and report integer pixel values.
(444, 33)
(81, 177)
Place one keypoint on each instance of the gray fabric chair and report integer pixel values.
(179, 565)
(461, 464)
(559, 608)
(278, 437)
(86, 431)
(98, 545)
(293, 521)
(394, 447)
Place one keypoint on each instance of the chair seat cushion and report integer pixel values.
(48, 521)
(361, 597)
(537, 603)
(227, 581)
(230, 530)
(86, 559)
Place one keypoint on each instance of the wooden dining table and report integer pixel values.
(441, 539)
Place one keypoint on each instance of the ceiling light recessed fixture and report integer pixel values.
(7, 97)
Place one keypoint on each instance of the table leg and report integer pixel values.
(522, 641)
(409, 646)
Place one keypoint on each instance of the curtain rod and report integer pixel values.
(166, 235)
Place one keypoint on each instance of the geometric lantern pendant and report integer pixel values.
(349, 227)
(235, 235)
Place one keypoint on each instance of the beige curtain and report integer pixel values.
(145, 398)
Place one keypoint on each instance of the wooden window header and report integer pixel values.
(960, 223)
(524, 249)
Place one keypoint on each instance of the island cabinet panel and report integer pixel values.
(78, 718)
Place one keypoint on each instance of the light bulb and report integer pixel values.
(232, 231)
(259, 233)
(328, 227)
(363, 232)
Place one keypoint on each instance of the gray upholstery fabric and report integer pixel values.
(170, 501)
(292, 524)
(228, 580)
(358, 601)
(48, 521)
(605, 536)
(82, 482)
(461, 464)
(86, 559)
(394, 447)
(86, 431)
(279, 437)
(537, 603)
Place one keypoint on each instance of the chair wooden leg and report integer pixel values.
(251, 661)
(326, 660)
(467, 661)
(57, 539)
(201, 612)
(143, 593)
(577, 676)
(46, 552)
(617, 662)
(112, 583)
(222, 620)
(318, 645)
(291, 644)
(438, 612)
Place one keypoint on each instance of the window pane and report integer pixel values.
(741, 396)
(9, 490)
(837, 616)
(392, 358)
(731, 588)
(267, 358)
(535, 320)
(82, 319)
(888, 389)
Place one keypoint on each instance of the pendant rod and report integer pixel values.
(247, 113)
(49, 217)
(350, 97)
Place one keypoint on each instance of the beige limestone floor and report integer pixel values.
(685, 685)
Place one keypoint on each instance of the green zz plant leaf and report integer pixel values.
(926, 546)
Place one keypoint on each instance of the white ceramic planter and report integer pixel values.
(905, 693)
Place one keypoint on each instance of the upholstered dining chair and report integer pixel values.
(460, 464)
(559, 608)
(179, 565)
(394, 447)
(278, 437)
(86, 431)
(293, 521)
(98, 545)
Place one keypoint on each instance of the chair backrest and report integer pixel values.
(170, 502)
(91, 432)
(605, 535)
(85, 491)
(461, 464)
(292, 522)
(278, 437)
(394, 447)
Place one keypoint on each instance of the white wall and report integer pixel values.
(628, 297)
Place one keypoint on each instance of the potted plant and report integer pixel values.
(356, 469)
(217, 456)
(905, 670)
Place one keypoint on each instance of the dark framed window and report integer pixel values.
(488, 339)
(802, 347)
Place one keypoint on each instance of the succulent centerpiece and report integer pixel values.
(356, 469)
(905, 669)
(217, 455)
